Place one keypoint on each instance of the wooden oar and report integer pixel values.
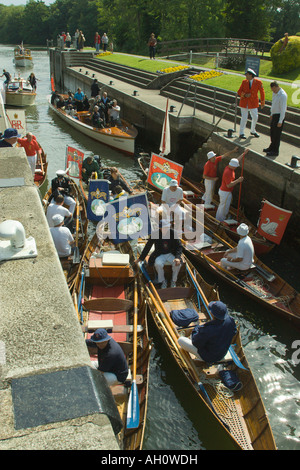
(76, 256)
(133, 411)
(240, 191)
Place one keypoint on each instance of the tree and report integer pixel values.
(249, 19)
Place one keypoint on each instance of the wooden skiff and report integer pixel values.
(41, 167)
(240, 415)
(107, 302)
(193, 194)
(121, 138)
(70, 265)
(260, 283)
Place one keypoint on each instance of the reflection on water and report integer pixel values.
(173, 423)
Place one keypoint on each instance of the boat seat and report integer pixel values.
(230, 222)
(227, 358)
(108, 304)
(93, 325)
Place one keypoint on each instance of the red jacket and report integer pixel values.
(252, 101)
(97, 39)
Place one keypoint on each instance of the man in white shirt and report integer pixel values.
(172, 196)
(278, 110)
(242, 256)
(114, 114)
(57, 207)
(62, 237)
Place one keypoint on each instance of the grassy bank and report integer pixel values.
(230, 80)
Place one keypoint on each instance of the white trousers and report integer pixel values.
(244, 118)
(187, 345)
(32, 163)
(71, 203)
(159, 264)
(209, 191)
(224, 205)
(225, 263)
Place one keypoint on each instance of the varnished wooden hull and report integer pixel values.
(70, 268)
(119, 138)
(243, 412)
(261, 245)
(129, 439)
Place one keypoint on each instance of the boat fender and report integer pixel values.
(230, 380)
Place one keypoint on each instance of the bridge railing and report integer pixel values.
(221, 45)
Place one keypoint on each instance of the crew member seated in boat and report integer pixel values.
(62, 185)
(78, 99)
(118, 192)
(115, 180)
(9, 137)
(171, 198)
(62, 237)
(54, 98)
(210, 341)
(167, 250)
(90, 166)
(114, 114)
(32, 149)
(86, 103)
(111, 358)
(210, 174)
(97, 121)
(227, 186)
(242, 256)
(57, 207)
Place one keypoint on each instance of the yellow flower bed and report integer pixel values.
(103, 53)
(205, 75)
(173, 69)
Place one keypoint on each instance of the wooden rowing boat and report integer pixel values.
(121, 138)
(193, 193)
(70, 265)
(240, 416)
(260, 283)
(107, 302)
(41, 168)
(106, 171)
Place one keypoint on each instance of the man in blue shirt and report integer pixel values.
(78, 98)
(111, 358)
(210, 341)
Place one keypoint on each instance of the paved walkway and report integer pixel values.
(158, 101)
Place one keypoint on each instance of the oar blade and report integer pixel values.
(76, 256)
(133, 410)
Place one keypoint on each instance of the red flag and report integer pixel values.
(162, 171)
(273, 221)
(74, 161)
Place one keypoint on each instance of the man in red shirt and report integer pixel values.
(227, 186)
(210, 174)
(32, 149)
(249, 101)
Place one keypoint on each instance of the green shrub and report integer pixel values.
(286, 59)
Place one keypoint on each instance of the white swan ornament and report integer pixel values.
(269, 227)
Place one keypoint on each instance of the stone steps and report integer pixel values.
(135, 77)
(206, 98)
